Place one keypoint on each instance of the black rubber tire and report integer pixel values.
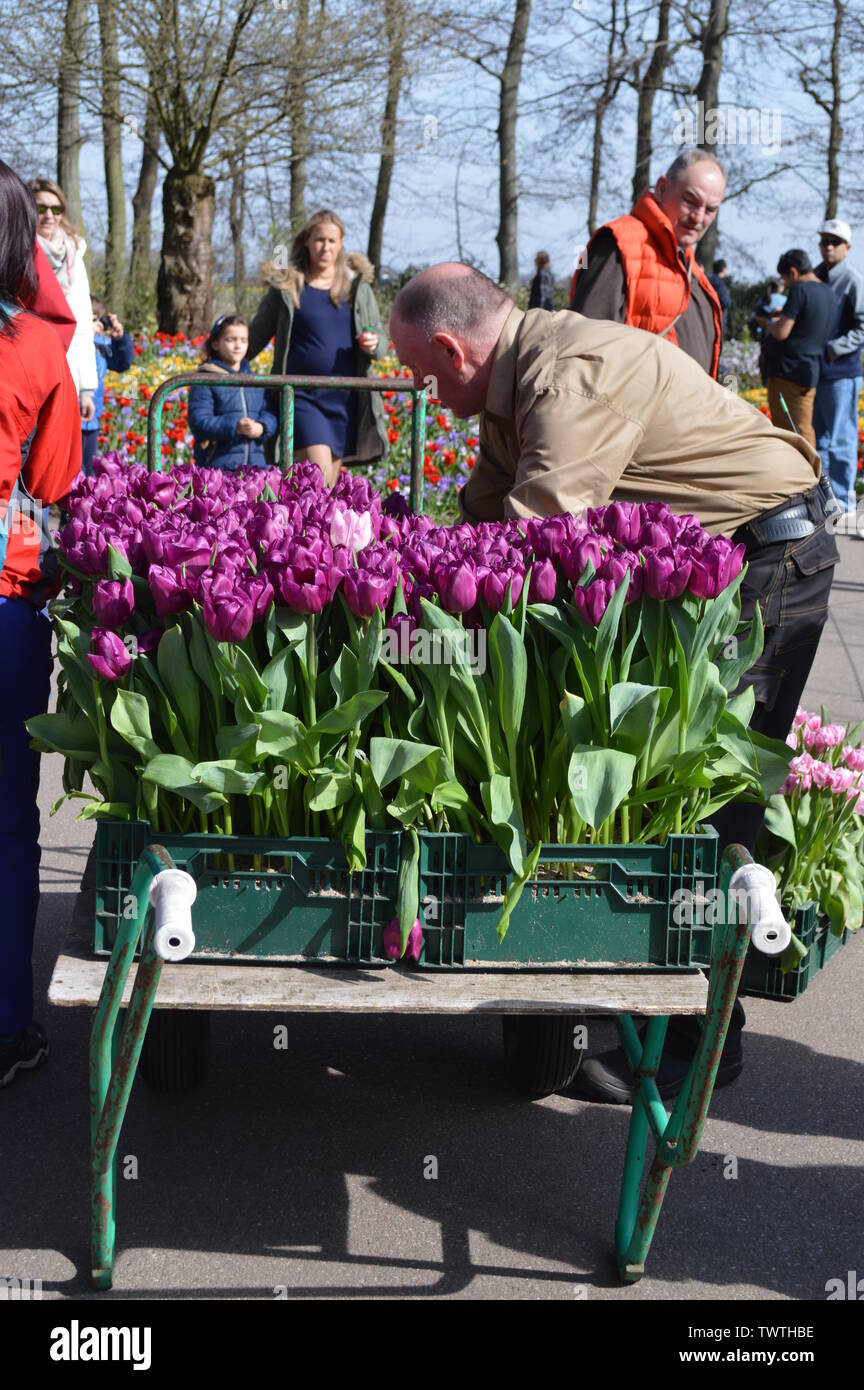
(538, 1052)
(174, 1055)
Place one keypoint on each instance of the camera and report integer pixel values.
(105, 320)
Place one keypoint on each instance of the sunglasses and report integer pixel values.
(43, 209)
(830, 241)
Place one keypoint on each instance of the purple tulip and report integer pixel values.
(189, 552)
(456, 584)
(623, 523)
(393, 940)
(149, 640)
(228, 618)
(260, 591)
(113, 602)
(715, 568)
(170, 591)
(544, 582)
(108, 655)
(575, 560)
(667, 572)
(302, 583)
(593, 599)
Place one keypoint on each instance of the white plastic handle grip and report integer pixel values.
(769, 930)
(172, 894)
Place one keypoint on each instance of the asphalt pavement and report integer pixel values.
(305, 1170)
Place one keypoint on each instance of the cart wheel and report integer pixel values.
(538, 1052)
(174, 1055)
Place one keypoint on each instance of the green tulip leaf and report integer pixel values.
(130, 716)
(599, 779)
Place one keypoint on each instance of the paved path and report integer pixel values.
(305, 1167)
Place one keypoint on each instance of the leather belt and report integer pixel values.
(792, 522)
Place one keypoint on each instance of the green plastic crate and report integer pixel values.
(617, 908)
(763, 978)
(284, 900)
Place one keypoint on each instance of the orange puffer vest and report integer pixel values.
(657, 286)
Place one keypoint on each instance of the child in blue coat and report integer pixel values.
(229, 423)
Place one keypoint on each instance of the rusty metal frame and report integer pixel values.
(286, 385)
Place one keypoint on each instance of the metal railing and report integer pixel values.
(286, 386)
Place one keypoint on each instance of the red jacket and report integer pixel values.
(657, 285)
(37, 393)
(49, 301)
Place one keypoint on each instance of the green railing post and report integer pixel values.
(114, 1061)
(418, 448)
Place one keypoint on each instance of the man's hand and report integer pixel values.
(116, 330)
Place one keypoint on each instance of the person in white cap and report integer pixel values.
(835, 412)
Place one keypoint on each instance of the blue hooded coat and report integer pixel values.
(213, 415)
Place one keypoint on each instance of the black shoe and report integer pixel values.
(27, 1049)
(607, 1078)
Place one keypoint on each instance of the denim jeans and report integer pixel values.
(25, 687)
(835, 420)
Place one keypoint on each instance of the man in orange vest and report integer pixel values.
(642, 269)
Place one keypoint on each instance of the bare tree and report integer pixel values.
(69, 105)
(140, 260)
(508, 185)
(648, 83)
(708, 92)
(395, 20)
(112, 148)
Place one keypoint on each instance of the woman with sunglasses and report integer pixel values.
(65, 252)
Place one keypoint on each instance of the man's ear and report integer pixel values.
(660, 186)
(452, 347)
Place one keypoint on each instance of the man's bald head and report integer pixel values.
(445, 324)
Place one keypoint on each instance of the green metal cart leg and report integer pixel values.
(677, 1136)
(114, 1058)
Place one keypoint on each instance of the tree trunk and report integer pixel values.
(112, 145)
(707, 91)
(68, 107)
(140, 268)
(508, 198)
(648, 89)
(236, 217)
(299, 128)
(611, 84)
(184, 287)
(835, 132)
(394, 16)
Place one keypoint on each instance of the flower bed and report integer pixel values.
(249, 653)
(814, 828)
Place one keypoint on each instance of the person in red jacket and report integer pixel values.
(642, 269)
(40, 456)
(47, 299)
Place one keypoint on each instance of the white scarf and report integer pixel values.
(60, 250)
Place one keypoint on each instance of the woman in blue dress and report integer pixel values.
(324, 316)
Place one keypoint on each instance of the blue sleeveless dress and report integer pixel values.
(322, 344)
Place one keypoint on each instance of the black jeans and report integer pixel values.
(791, 582)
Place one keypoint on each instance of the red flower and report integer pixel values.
(392, 435)
(449, 457)
(442, 421)
(392, 483)
(471, 460)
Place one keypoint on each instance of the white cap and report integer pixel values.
(835, 226)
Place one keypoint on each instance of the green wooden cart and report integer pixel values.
(538, 999)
